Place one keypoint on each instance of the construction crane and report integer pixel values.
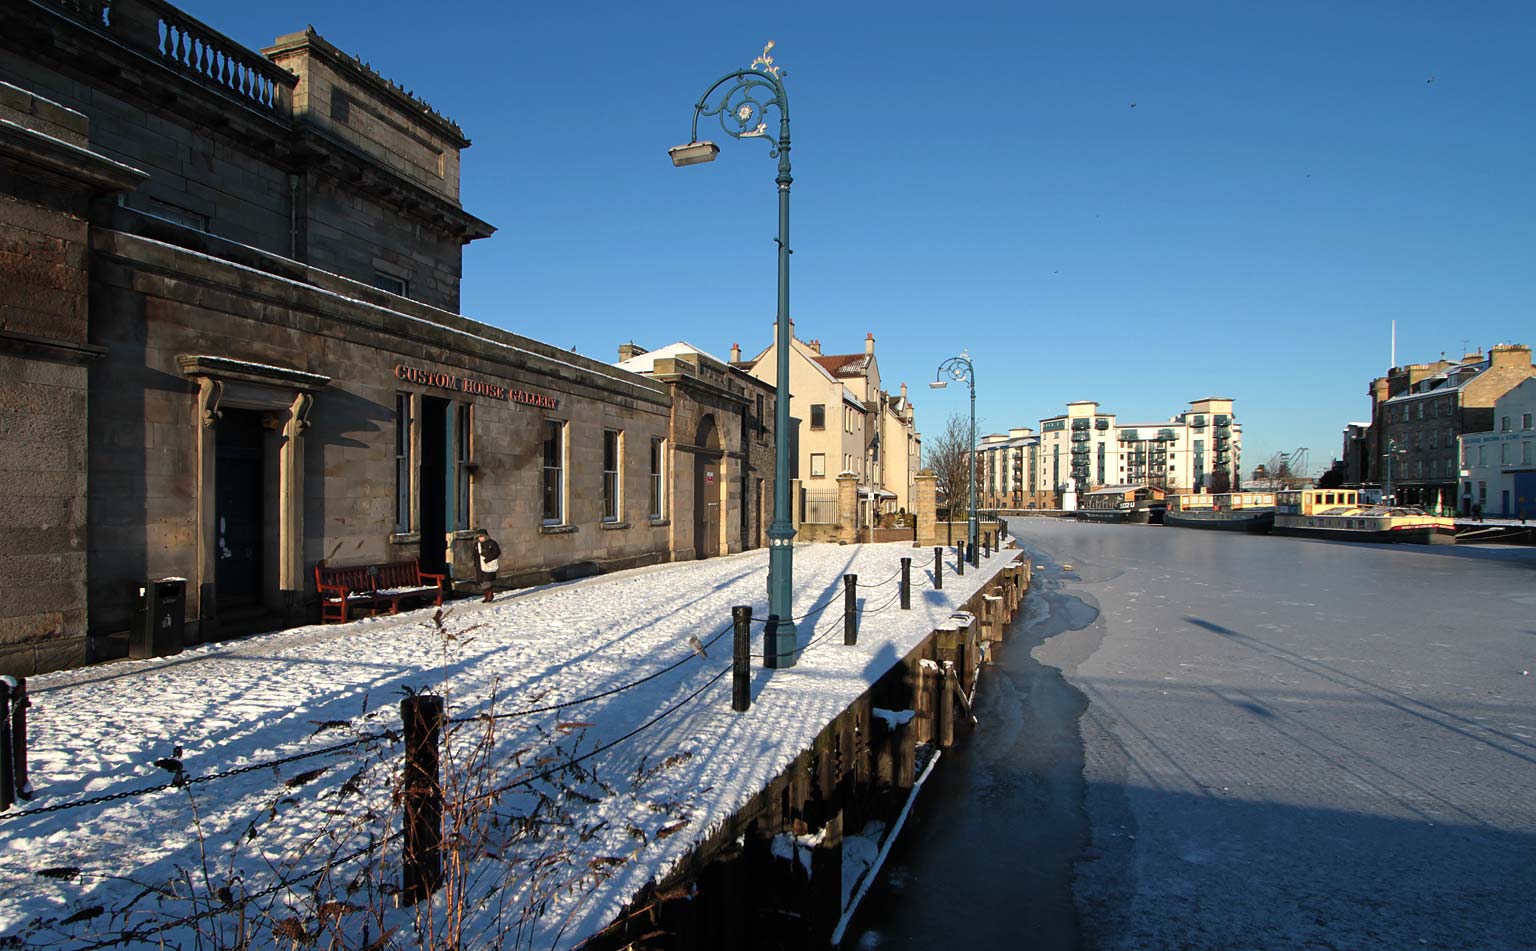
(1290, 465)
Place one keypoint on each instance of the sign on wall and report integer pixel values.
(444, 380)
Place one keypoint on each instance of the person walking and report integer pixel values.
(488, 561)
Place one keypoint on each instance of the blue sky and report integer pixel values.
(1136, 203)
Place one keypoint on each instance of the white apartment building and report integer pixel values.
(1498, 468)
(1085, 448)
(847, 422)
(1008, 470)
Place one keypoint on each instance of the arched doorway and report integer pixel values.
(707, 486)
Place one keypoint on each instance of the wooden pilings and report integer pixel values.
(771, 876)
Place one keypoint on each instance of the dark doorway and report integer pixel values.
(706, 512)
(238, 511)
(706, 489)
(433, 504)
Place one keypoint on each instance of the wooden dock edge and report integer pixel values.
(731, 892)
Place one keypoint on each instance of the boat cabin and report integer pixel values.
(1314, 501)
(1119, 497)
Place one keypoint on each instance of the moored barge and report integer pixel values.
(1339, 515)
(1223, 511)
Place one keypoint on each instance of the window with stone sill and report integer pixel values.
(612, 442)
(818, 416)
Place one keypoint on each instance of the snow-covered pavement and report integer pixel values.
(572, 828)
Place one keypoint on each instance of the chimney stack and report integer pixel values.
(869, 344)
(903, 391)
(1509, 355)
(735, 353)
(628, 350)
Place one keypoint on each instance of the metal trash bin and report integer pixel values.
(159, 618)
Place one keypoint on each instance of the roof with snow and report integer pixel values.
(844, 364)
(646, 362)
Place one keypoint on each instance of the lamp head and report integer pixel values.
(938, 384)
(694, 153)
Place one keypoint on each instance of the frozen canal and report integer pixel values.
(1234, 742)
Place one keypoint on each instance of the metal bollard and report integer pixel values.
(850, 609)
(938, 569)
(960, 561)
(906, 584)
(986, 544)
(971, 547)
(422, 869)
(19, 704)
(7, 776)
(741, 659)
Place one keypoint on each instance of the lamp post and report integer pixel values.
(744, 97)
(960, 370)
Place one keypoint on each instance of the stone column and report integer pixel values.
(730, 505)
(848, 508)
(794, 501)
(925, 507)
(291, 502)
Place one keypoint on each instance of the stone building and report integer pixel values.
(1419, 411)
(1498, 467)
(723, 423)
(227, 294)
(847, 423)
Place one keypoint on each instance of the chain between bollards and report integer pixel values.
(938, 568)
(906, 584)
(850, 609)
(741, 659)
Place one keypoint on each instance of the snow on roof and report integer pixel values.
(646, 362)
(1449, 380)
(1116, 490)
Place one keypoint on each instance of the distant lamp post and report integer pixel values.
(745, 95)
(960, 370)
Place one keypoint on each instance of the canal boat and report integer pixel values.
(1339, 514)
(1134, 504)
(1223, 511)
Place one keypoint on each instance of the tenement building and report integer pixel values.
(846, 422)
(228, 284)
(1419, 411)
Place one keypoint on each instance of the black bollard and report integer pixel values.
(986, 544)
(938, 569)
(7, 777)
(906, 584)
(741, 659)
(971, 547)
(850, 609)
(960, 561)
(19, 704)
(422, 869)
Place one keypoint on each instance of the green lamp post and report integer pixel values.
(744, 96)
(960, 370)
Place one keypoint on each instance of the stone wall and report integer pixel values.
(43, 349)
(154, 303)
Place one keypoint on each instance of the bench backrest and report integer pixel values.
(394, 574)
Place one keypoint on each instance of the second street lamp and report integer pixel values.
(960, 370)
(745, 95)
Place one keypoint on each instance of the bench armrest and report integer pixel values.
(340, 589)
(438, 579)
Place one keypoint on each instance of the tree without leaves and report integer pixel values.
(948, 457)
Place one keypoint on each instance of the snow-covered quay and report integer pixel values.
(594, 747)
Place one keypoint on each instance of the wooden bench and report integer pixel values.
(344, 590)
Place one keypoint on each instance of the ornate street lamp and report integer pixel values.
(960, 370)
(745, 95)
